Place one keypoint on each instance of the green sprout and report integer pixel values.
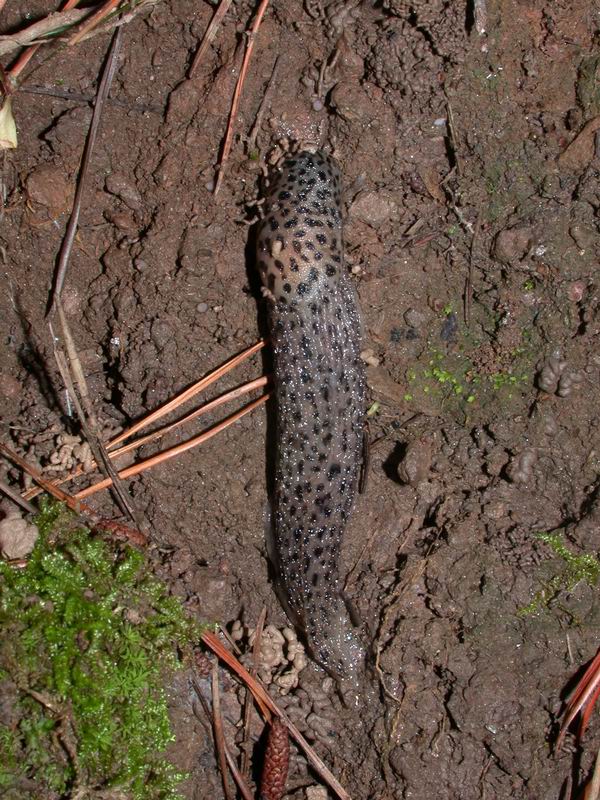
(373, 409)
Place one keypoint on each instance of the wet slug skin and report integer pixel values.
(320, 389)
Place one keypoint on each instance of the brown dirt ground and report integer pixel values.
(475, 246)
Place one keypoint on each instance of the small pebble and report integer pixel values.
(512, 244)
(9, 387)
(414, 318)
(369, 357)
(575, 291)
(202, 308)
(48, 186)
(416, 463)
(17, 536)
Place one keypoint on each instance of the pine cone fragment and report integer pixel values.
(277, 757)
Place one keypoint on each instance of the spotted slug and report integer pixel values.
(320, 389)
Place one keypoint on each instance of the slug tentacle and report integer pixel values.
(320, 389)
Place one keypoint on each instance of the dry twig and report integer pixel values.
(187, 394)
(583, 700)
(136, 537)
(103, 90)
(48, 26)
(263, 106)
(166, 455)
(248, 704)
(16, 498)
(238, 93)
(268, 708)
(26, 56)
(240, 782)
(72, 372)
(218, 729)
(210, 34)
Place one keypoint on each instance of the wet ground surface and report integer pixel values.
(470, 161)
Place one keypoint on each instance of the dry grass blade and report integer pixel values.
(238, 93)
(210, 34)
(142, 466)
(584, 697)
(187, 394)
(103, 90)
(75, 367)
(218, 729)
(268, 708)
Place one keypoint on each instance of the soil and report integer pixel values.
(471, 163)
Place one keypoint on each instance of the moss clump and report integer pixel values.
(573, 569)
(88, 636)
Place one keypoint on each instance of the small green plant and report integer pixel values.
(575, 569)
(88, 638)
(502, 380)
(373, 409)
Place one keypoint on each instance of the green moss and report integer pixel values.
(572, 570)
(88, 637)
(449, 377)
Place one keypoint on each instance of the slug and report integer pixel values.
(320, 390)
